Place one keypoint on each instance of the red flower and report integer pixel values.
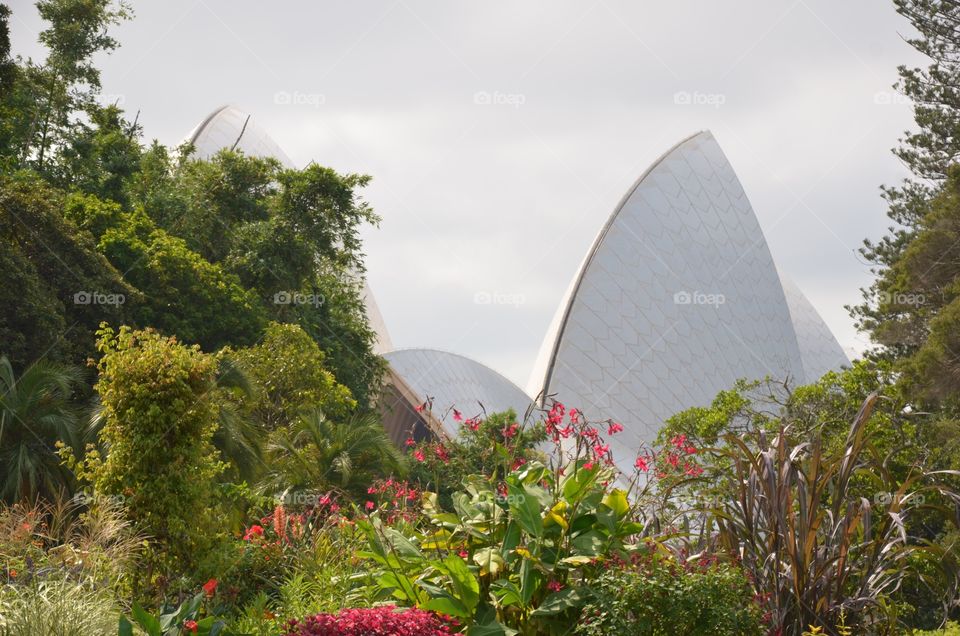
(419, 408)
(457, 417)
(418, 455)
(410, 441)
(210, 587)
(370, 505)
(252, 531)
(614, 428)
(554, 586)
(510, 431)
(642, 464)
(588, 466)
(190, 625)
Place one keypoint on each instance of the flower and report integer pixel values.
(554, 586)
(457, 417)
(588, 466)
(642, 463)
(210, 587)
(369, 505)
(418, 455)
(614, 428)
(419, 408)
(190, 625)
(601, 449)
(410, 442)
(473, 424)
(463, 554)
(510, 431)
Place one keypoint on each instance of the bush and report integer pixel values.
(667, 597)
(374, 621)
(159, 415)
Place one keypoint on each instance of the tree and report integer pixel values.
(36, 413)
(53, 278)
(160, 415)
(928, 153)
(44, 103)
(318, 455)
(288, 378)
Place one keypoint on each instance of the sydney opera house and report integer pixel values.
(678, 297)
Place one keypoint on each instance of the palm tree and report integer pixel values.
(318, 455)
(35, 413)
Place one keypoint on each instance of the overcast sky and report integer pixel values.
(501, 135)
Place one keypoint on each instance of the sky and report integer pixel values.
(501, 135)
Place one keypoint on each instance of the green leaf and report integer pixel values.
(465, 584)
(448, 605)
(148, 623)
(125, 628)
(525, 508)
(562, 601)
(489, 560)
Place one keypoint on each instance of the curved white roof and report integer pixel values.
(676, 300)
(229, 127)
(454, 381)
(819, 350)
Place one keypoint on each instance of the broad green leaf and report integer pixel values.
(525, 509)
(616, 500)
(125, 628)
(148, 623)
(562, 601)
(448, 605)
(465, 584)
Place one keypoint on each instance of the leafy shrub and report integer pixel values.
(159, 415)
(667, 597)
(375, 621)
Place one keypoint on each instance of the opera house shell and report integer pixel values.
(678, 298)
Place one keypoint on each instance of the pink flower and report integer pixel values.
(473, 424)
(510, 431)
(419, 408)
(463, 554)
(588, 466)
(679, 441)
(601, 449)
(614, 428)
(418, 455)
(370, 505)
(554, 586)
(410, 442)
(642, 464)
(457, 417)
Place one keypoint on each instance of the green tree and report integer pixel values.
(288, 377)
(45, 102)
(160, 410)
(51, 270)
(184, 295)
(318, 455)
(36, 413)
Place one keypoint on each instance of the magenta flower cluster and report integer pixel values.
(373, 621)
